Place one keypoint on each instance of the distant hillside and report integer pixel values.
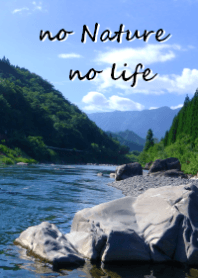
(36, 118)
(129, 139)
(159, 120)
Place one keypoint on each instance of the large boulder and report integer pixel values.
(110, 231)
(170, 173)
(128, 170)
(48, 243)
(159, 225)
(165, 164)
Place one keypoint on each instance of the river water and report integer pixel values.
(30, 195)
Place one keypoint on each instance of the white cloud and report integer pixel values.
(71, 55)
(151, 53)
(20, 10)
(36, 7)
(146, 55)
(98, 102)
(152, 108)
(175, 107)
(184, 83)
(181, 84)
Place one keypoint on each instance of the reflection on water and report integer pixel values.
(100, 270)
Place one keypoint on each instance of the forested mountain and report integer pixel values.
(159, 120)
(185, 123)
(180, 141)
(129, 139)
(34, 115)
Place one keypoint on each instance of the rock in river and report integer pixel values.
(159, 225)
(128, 170)
(47, 242)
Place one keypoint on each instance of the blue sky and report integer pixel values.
(175, 60)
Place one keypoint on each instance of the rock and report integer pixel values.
(22, 163)
(47, 242)
(167, 220)
(100, 174)
(193, 178)
(112, 175)
(159, 225)
(166, 164)
(128, 170)
(110, 232)
(148, 165)
(170, 173)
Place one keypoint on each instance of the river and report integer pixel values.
(54, 193)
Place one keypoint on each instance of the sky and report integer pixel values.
(174, 60)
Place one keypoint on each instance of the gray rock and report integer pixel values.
(167, 219)
(22, 164)
(166, 164)
(159, 225)
(48, 243)
(112, 227)
(100, 174)
(170, 173)
(112, 175)
(128, 170)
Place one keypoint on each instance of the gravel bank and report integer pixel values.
(138, 184)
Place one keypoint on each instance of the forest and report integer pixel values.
(180, 141)
(38, 123)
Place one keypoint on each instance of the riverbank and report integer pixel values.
(138, 184)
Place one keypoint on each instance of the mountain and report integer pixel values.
(36, 118)
(185, 123)
(159, 120)
(180, 141)
(129, 139)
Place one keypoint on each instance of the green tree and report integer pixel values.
(149, 140)
(166, 138)
(186, 101)
(196, 93)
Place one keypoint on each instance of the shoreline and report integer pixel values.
(137, 185)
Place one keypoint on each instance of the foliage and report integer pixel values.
(149, 140)
(183, 149)
(9, 156)
(35, 116)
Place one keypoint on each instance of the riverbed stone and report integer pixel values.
(159, 225)
(165, 164)
(22, 163)
(174, 173)
(112, 175)
(128, 170)
(48, 243)
(115, 224)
